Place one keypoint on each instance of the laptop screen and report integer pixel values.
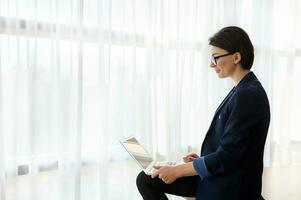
(135, 149)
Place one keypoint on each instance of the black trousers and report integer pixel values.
(155, 189)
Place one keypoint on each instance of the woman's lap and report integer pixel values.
(185, 186)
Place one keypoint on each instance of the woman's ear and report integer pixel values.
(237, 57)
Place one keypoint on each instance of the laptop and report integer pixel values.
(141, 156)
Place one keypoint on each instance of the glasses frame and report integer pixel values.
(214, 58)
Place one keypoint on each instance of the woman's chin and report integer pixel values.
(220, 75)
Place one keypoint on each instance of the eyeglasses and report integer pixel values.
(213, 59)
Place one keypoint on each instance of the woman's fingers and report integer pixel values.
(190, 157)
(194, 155)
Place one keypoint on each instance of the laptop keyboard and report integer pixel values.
(165, 163)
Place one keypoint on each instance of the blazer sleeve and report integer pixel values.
(245, 112)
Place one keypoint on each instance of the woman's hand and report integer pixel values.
(190, 157)
(167, 174)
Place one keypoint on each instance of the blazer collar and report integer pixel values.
(248, 77)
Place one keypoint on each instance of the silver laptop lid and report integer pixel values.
(136, 150)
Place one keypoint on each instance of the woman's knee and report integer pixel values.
(141, 179)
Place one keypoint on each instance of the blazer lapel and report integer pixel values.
(220, 106)
(225, 100)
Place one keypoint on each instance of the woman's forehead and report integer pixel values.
(215, 50)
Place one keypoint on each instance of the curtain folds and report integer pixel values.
(78, 75)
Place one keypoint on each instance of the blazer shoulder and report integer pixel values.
(251, 88)
(251, 95)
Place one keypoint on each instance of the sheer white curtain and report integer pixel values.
(77, 75)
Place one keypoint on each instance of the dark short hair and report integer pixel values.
(234, 39)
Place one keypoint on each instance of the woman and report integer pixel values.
(231, 162)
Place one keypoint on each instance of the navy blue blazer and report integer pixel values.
(232, 151)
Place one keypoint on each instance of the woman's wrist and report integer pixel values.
(177, 171)
(186, 169)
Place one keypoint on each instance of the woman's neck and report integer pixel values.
(239, 75)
